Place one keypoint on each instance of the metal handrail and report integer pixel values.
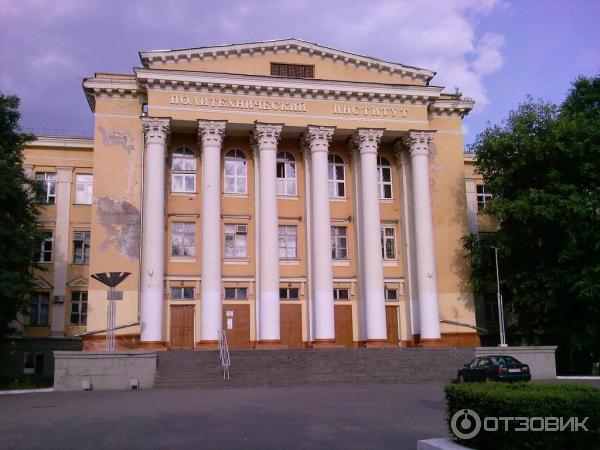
(224, 360)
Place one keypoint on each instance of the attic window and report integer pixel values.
(292, 70)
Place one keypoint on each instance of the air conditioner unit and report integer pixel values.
(58, 299)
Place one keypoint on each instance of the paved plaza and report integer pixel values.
(328, 417)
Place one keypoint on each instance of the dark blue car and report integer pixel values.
(494, 368)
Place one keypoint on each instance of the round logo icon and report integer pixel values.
(465, 424)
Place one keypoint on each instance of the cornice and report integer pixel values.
(451, 108)
(300, 88)
(283, 46)
(111, 87)
(63, 143)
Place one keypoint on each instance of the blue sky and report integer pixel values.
(492, 50)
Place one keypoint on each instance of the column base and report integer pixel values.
(206, 345)
(152, 345)
(326, 343)
(270, 344)
(377, 343)
(432, 342)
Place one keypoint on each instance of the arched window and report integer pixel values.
(183, 170)
(337, 177)
(286, 174)
(236, 172)
(384, 177)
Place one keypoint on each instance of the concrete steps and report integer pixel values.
(258, 368)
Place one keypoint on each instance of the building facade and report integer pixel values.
(291, 194)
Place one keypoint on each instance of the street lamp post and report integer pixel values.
(111, 279)
(500, 304)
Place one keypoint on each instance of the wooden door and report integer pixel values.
(236, 323)
(182, 327)
(343, 325)
(291, 325)
(391, 313)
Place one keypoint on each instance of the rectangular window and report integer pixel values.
(236, 293)
(236, 241)
(79, 308)
(183, 239)
(288, 294)
(45, 254)
(81, 247)
(339, 243)
(341, 294)
(38, 309)
(288, 242)
(391, 295)
(83, 189)
(182, 293)
(34, 363)
(482, 197)
(46, 182)
(388, 243)
(292, 70)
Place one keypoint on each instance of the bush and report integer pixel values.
(520, 400)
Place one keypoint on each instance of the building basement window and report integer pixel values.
(292, 70)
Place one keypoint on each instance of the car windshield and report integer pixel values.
(505, 360)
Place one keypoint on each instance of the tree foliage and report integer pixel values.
(18, 236)
(542, 166)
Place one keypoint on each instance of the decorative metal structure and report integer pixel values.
(111, 279)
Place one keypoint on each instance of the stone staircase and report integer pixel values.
(261, 368)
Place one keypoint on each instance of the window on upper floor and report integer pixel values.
(384, 177)
(339, 243)
(388, 243)
(286, 174)
(183, 239)
(482, 197)
(288, 242)
(236, 293)
(236, 172)
(183, 170)
(38, 309)
(341, 294)
(83, 189)
(337, 176)
(46, 183)
(236, 241)
(292, 70)
(81, 247)
(79, 308)
(45, 253)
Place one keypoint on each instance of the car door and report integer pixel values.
(482, 368)
(468, 372)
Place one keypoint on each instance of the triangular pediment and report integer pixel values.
(78, 281)
(42, 283)
(255, 58)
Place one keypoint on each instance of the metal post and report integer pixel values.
(500, 304)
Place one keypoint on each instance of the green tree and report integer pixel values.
(542, 166)
(18, 236)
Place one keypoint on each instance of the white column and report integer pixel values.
(64, 178)
(418, 143)
(156, 132)
(366, 141)
(211, 136)
(316, 141)
(265, 138)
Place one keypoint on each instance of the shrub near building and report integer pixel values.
(513, 405)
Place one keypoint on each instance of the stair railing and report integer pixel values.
(224, 360)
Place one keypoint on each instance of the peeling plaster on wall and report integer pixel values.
(123, 138)
(122, 223)
(118, 137)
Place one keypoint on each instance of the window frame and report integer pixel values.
(183, 154)
(284, 237)
(42, 252)
(236, 238)
(383, 164)
(88, 189)
(336, 240)
(236, 291)
(334, 183)
(85, 248)
(482, 197)
(238, 159)
(182, 290)
(337, 297)
(286, 159)
(79, 299)
(178, 239)
(385, 239)
(387, 298)
(38, 305)
(46, 194)
(287, 296)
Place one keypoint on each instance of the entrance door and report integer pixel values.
(291, 325)
(182, 327)
(236, 323)
(391, 313)
(343, 325)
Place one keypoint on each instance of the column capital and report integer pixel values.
(266, 135)
(156, 129)
(402, 152)
(366, 140)
(211, 132)
(418, 142)
(317, 138)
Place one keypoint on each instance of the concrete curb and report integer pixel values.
(26, 391)
(439, 444)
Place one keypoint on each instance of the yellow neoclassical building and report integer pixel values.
(288, 193)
